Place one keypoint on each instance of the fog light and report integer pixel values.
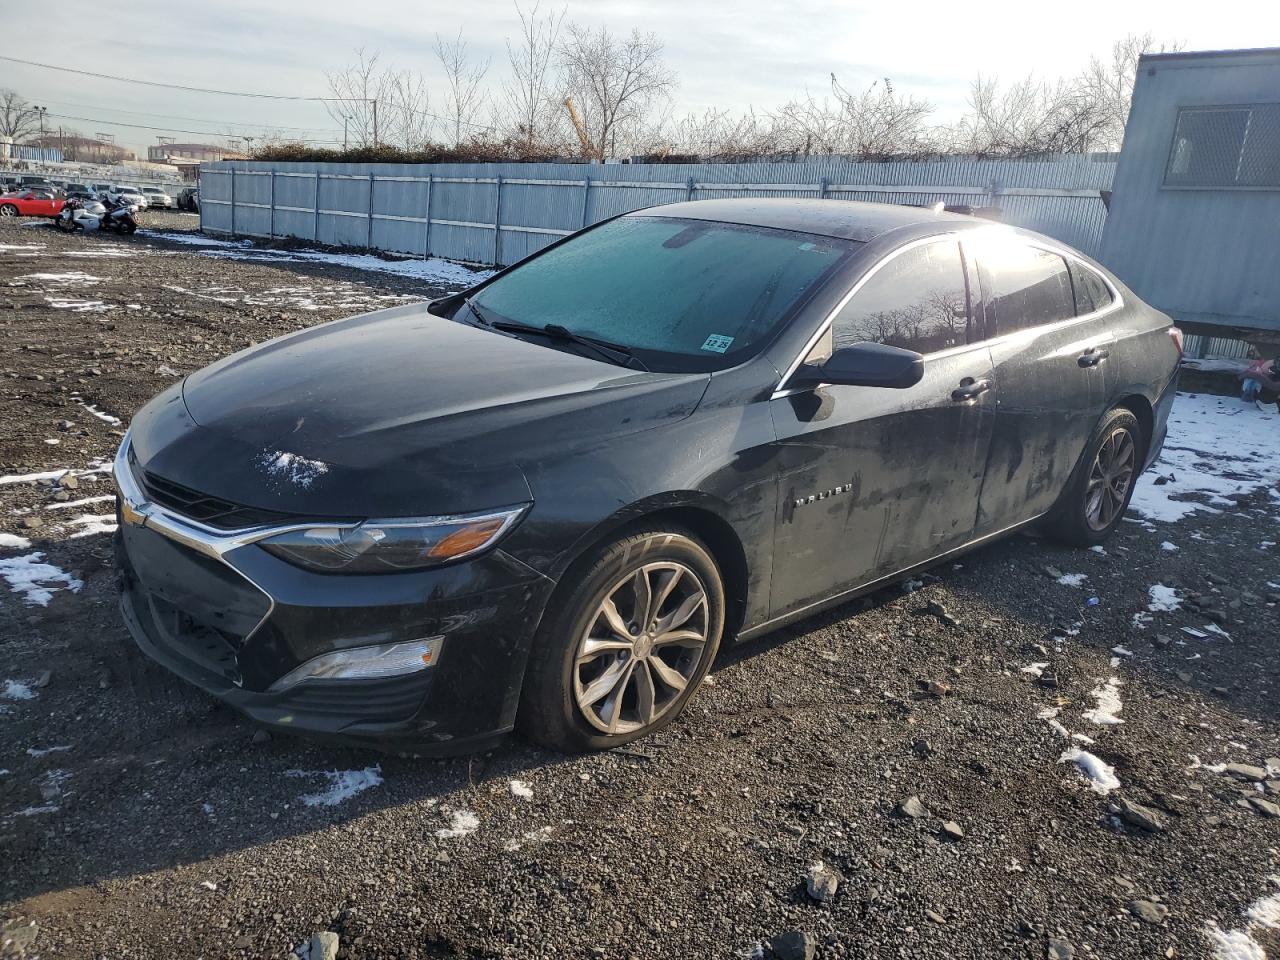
(365, 663)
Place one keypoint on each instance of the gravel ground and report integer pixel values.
(139, 818)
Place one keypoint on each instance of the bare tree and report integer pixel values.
(877, 123)
(615, 84)
(18, 118)
(1109, 84)
(1029, 118)
(406, 111)
(530, 113)
(356, 92)
(464, 97)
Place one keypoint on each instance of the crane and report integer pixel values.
(587, 150)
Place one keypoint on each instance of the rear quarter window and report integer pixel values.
(1092, 292)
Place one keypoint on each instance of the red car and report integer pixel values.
(30, 203)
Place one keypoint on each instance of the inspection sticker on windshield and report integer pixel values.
(717, 343)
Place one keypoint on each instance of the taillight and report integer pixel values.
(1176, 336)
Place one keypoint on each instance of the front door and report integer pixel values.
(874, 480)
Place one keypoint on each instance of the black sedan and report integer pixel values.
(547, 502)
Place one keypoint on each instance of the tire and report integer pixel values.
(8, 210)
(562, 706)
(1101, 486)
(128, 227)
(66, 226)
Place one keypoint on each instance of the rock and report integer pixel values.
(822, 882)
(1183, 676)
(1217, 616)
(938, 610)
(1273, 764)
(65, 425)
(1048, 679)
(913, 808)
(1273, 786)
(934, 688)
(952, 830)
(42, 681)
(1265, 807)
(936, 917)
(1162, 641)
(1215, 579)
(793, 945)
(1060, 950)
(30, 523)
(69, 482)
(62, 496)
(1052, 571)
(1245, 771)
(323, 946)
(261, 736)
(1136, 815)
(1148, 911)
(922, 748)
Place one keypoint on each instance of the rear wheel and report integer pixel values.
(1099, 491)
(622, 651)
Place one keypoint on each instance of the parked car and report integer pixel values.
(76, 188)
(29, 203)
(547, 501)
(130, 195)
(101, 188)
(189, 199)
(156, 197)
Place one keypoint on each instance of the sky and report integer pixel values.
(749, 52)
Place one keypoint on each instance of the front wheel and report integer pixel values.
(1099, 490)
(8, 210)
(128, 227)
(622, 651)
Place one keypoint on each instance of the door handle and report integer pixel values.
(970, 389)
(1093, 356)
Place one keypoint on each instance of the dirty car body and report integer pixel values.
(807, 492)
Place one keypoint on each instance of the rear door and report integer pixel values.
(873, 479)
(1050, 361)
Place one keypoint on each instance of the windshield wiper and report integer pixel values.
(613, 352)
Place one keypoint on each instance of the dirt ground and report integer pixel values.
(139, 818)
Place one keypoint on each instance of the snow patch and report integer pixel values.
(100, 414)
(71, 504)
(1217, 447)
(1073, 579)
(1107, 712)
(93, 523)
(461, 823)
(72, 278)
(291, 468)
(13, 541)
(343, 784)
(541, 835)
(36, 580)
(1239, 944)
(521, 790)
(18, 690)
(45, 751)
(9, 478)
(1169, 546)
(1035, 669)
(1100, 774)
(1163, 599)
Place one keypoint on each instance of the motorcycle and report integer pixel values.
(119, 216)
(73, 216)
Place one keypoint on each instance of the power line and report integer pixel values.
(169, 116)
(236, 93)
(169, 86)
(143, 126)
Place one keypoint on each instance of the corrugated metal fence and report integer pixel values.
(502, 212)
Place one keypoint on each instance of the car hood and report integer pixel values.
(394, 413)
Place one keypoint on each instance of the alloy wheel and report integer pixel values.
(1109, 479)
(641, 648)
(8, 211)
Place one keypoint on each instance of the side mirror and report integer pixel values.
(865, 365)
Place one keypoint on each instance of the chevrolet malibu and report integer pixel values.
(546, 502)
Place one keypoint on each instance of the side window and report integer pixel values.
(1023, 287)
(918, 300)
(1092, 292)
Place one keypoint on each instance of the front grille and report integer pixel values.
(203, 508)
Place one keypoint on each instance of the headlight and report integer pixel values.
(386, 546)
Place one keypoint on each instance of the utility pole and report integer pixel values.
(40, 112)
(344, 134)
(375, 121)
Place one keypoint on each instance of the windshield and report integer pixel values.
(684, 295)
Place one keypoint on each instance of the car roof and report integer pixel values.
(844, 219)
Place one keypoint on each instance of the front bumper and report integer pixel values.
(232, 619)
